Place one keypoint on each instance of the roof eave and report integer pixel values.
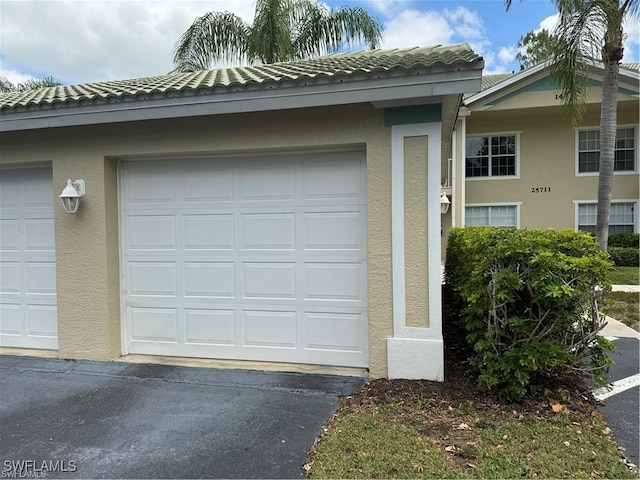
(464, 78)
(624, 74)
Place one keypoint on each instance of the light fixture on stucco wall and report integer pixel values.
(444, 203)
(72, 194)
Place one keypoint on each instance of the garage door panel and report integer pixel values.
(38, 190)
(268, 231)
(334, 331)
(334, 281)
(9, 235)
(42, 320)
(270, 254)
(333, 231)
(153, 278)
(332, 180)
(40, 278)
(143, 186)
(154, 324)
(269, 280)
(151, 232)
(10, 319)
(212, 327)
(39, 234)
(209, 279)
(209, 232)
(206, 183)
(9, 277)
(267, 183)
(9, 192)
(28, 316)
(269, 329)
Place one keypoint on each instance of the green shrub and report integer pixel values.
(529, 301)
(624, 256)
(629, 240)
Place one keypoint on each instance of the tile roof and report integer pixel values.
(335, 68)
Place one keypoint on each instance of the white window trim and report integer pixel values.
(496, 204)
(497, 177)
(597, 127)
(635, 201)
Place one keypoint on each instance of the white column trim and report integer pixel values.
(463, 170)
(454, 177)
(416, 353)
(398, 134)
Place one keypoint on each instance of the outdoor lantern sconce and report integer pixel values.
(71, 195)
(444, 203)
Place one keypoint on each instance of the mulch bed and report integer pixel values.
(449, 411)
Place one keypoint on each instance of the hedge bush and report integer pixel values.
(624, 256)
(628, 240)
(529, 301)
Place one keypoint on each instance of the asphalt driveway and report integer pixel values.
(120, 420)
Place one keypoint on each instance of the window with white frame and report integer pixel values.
(621, 217)
(491, 156)
(589, 150)
(492, 215)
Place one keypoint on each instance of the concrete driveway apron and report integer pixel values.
(119, 420)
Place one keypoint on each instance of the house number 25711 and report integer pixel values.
(540, 189)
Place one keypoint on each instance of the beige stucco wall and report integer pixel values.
(415, 232)
(87, 245)
(547, 159)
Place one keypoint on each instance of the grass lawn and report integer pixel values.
(624, 307)
(386, 442)
(422, 429)
(625, 276)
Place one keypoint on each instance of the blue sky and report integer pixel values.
(96, 40)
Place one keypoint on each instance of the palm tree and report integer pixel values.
(282, 30)
(7, 86)
(592, 29)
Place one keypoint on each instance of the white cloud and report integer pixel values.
(549, 23)
(631, 30)
(465, 23)
(15, 77)
(507, 54)
(388, 8)
(412, 28)
(632, 40)
(82, 41)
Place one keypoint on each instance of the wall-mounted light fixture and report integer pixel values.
(444, 203)
(71, 195)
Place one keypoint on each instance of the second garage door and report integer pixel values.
(260, 258)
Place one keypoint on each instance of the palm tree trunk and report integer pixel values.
(608, 126)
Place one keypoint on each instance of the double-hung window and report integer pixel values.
(589, 150)
(491, 216)
(622, 217)
(492, 156)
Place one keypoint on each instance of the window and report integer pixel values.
(589, 150)
(494, 216)
(491, 156)
(621, 217)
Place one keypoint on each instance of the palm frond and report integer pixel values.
(587, 31)
(326, 31)
(213, 37)
(270, 35)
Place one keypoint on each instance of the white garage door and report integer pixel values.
(27, 260)
(260, 258)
